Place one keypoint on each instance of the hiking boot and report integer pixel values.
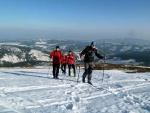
(89, 82)
(57, 77)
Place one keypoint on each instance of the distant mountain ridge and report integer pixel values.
(36, 51)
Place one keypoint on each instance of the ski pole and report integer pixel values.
(48, 70)
(103, 69)
(78, 74)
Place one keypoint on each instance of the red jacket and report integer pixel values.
(63, 59)
(56, 55)
(71, 59)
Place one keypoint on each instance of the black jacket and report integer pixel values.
(89, 53)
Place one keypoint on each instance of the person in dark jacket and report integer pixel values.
(89, 52)
(56, 56)
(71, 63)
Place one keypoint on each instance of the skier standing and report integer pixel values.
(89, 52)
(71, 60)
(56, 56)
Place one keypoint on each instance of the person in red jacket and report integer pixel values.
(56, 57)
(63, 63)
(71, 60)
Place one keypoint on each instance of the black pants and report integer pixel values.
(55, 70)
(63, 68)
(69, 67)
(88, 71)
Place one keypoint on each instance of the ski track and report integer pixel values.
(66, 96)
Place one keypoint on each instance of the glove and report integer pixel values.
(104, 57)
(81, 57)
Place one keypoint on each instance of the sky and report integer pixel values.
(74, 19)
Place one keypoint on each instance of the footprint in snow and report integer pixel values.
(69, 106)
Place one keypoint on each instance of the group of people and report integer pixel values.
(60, 58)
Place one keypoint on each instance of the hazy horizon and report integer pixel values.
(74, 19)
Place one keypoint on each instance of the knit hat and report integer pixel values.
(93, 43)
(57, 47)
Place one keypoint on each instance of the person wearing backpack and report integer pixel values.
(56, 57)
(89, 52)
(71, 63)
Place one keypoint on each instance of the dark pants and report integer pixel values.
(88, 71)
(63, 68)
(69, 67)
(55, 70)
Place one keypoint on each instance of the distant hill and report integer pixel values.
(36, 51)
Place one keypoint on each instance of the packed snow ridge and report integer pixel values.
(35, 91)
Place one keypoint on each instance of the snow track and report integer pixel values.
(32, 91)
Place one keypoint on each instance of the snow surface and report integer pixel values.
(35, 91)
(12, 58)
(39, 55)
(126, 48)
(10, 43)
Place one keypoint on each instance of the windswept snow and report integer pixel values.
(35, 91)
(126, 48)
(41, 42)
(38, 55)
(10, 43)
(12, 58)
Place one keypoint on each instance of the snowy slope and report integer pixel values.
(16, 54)
(36, 50)
(35, 91)
(38, 55)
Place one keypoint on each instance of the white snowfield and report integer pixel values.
(35, 91)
